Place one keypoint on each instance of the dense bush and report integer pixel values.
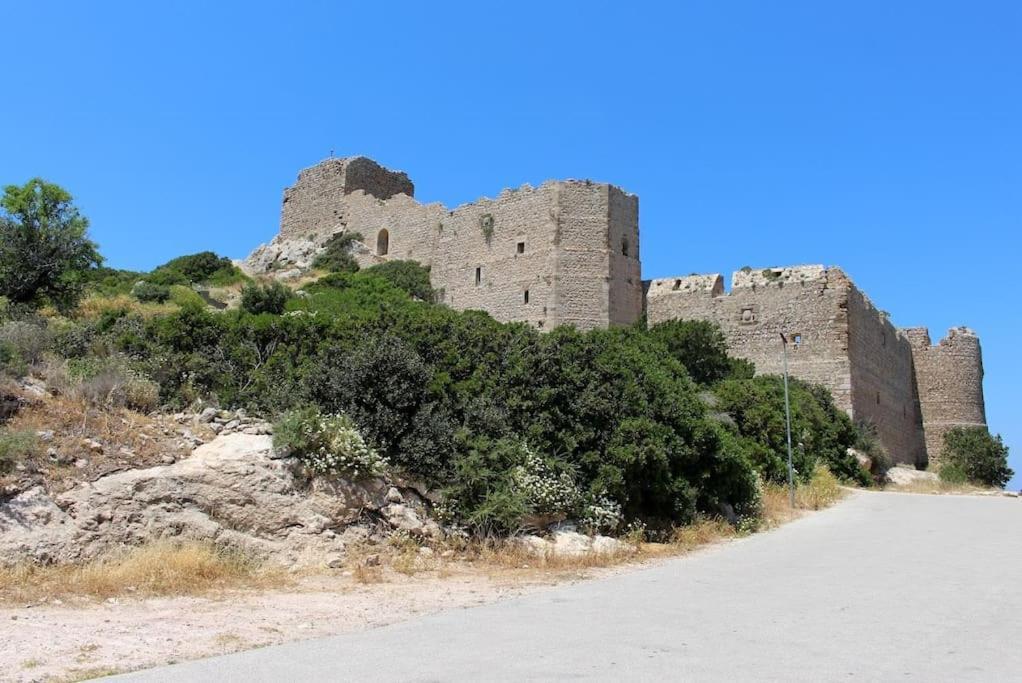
(107, 381)
(820, 431)
(409, 276)
(28, 340)
(974, 455)
(699, 345)
(514, 426)
(269, 298)
(327, 444)
(202, 268)
(336, 256)
(150, 292)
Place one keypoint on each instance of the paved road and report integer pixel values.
(883, 587)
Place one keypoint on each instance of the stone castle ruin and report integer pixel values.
(567, 252)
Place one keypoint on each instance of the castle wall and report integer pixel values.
(807, 301)
(837, 339)
(538, 255)
(950, 380)
(883, 383)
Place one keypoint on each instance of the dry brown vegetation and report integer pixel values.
(126, 439)
(162, 568)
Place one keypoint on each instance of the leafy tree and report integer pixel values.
(44, 247)
(699, 345)
(819, 429)
(973, 453)
(336, 256)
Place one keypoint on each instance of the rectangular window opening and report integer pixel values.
(479, 276)
(526, 296)
(521, 247)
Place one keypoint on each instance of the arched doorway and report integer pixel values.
(383, 243)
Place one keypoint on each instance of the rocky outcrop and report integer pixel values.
(232, 491)
(906, 476)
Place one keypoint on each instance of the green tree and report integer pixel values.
(44, 247)
(974, 453)
(699, 345)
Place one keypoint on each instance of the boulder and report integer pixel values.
(229, 491)
(906, 476)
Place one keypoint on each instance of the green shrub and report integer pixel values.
(150, 292)
(16, 446)
(868, 442)
(699, 345)
(29, 340)
(820, 431)
(185, 296)
(336, 256)
(409, 276)
(976, 454)
(327, 444)
(270, 298)
(204, 267)
(11, 362)
(113, 382)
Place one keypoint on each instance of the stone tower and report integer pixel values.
(949, 377)
(566, 252)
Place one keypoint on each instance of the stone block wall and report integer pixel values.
(949, 376)
(806, 302)
(837, 339)
(566, 252)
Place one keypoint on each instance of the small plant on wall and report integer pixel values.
(486, 225)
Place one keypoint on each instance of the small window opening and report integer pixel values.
(797, 339)
(383, 243)
(526, 296)
(878, 398)
(479, 276)
(624, 246)
(883, 341)
(677, 284)
(521, 247)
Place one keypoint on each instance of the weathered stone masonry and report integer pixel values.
(892, 378)
(567, 252)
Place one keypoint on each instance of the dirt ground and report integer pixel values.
(63, 640)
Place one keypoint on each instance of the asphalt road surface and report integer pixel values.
(884, 586)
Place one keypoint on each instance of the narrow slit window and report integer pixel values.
(479, 276)
(521, 247)
(526, 297)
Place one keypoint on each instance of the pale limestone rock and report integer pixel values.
(229, 491)
(904, 476)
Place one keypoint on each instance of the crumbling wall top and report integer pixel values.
(765, 277)
(711, 283)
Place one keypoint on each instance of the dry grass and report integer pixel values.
(128, 438)
(95, 305)
(162, 568)
(939, 487)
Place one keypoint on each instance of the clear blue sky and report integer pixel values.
(885, 137)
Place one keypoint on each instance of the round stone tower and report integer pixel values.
(949, 377)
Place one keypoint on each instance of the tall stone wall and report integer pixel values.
(883, 383)
(838, 339)
(950, 380)
(807, 301)
(547, 255)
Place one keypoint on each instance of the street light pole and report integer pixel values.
(787, 419)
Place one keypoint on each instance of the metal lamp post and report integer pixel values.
(787, 419)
